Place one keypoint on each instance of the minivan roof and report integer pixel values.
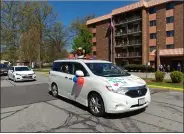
(83, 60)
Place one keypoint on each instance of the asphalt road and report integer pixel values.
(27, 107)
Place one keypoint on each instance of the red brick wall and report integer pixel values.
(102, 40)
(145, 36)
(179, 24)
(161, 26)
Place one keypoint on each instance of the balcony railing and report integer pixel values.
(130, 43)
(129, 55)
(129, 31)
(128, 20)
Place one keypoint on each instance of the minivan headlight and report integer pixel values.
(18, 74)
(120, 90)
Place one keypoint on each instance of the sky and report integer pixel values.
(70, 10)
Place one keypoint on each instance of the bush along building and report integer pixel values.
(141, 33)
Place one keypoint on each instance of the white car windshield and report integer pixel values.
(106, 70)
(22, 69)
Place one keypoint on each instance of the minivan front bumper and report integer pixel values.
(117, 103)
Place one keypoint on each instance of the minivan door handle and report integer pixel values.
(70, 78)
(66, 77)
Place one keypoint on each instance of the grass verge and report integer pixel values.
(166, 84)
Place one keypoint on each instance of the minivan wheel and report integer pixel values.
(96, 105)
(54, 90)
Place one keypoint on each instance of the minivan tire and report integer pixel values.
(54, 90)
(95, 102)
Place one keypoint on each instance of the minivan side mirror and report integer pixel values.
(79, 73)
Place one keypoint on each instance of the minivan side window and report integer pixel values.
(56, 66)
(67, 67)
(78, 66)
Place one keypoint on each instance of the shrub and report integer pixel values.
(159, 76)
(176, 76)
(138, 67)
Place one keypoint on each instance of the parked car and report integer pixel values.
(21, 73)
(99, 85)
(4, 69)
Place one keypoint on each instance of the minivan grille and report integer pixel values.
(137, 93)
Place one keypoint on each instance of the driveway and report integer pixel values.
(27, 107)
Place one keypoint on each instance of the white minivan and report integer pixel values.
(105, 88)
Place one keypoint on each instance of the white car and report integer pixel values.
(21, 73)
(106, 88)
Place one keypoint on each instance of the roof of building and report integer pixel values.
(171, 52)
(98, 19)
(141, 3)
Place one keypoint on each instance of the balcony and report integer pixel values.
(128, 20)
(129, 43)
(128, 55)
(128, 32)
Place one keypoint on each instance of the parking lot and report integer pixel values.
(27, 107)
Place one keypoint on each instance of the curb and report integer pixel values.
(170, 88)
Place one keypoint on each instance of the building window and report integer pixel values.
(170, 33)
(170, 46)
(94, 44)
(94, 34)
(153, 36)
(170, 19)
(152, 23)
(170, 6)
(152, 48)
(152, 10)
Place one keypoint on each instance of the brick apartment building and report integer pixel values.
(139, 29)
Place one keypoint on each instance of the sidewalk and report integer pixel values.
(149, 75)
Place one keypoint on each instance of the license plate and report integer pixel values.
(141, 101)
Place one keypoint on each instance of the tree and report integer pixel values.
(56, 40)
(79, 23)
(82, 35)
(39, 15)
(29, 44)
(83, 40)
(10, 27)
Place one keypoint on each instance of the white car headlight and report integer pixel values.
(18, 74)
(120, 90)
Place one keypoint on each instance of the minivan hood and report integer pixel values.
(124, 81)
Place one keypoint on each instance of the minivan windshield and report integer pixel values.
(22, 69)
(106, 70)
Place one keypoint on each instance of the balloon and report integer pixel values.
(80, 81)
(75, 79)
